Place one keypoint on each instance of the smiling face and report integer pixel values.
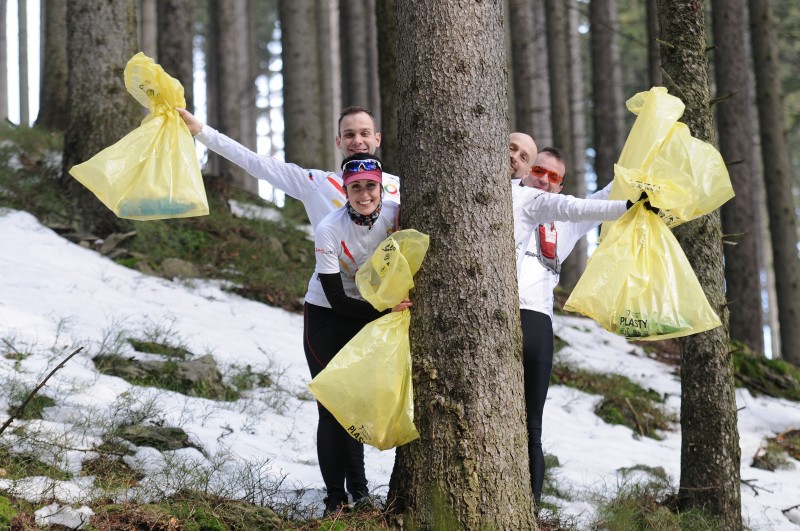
(357, 135)
(541, 180)
(364, 195)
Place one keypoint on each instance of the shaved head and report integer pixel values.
(522, 152)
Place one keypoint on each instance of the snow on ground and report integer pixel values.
(57, 296)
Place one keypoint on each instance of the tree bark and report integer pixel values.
(469, 468)
(353, 21)
(3, 63)
(741, 218)
(100, 109)
(653, 48)
(541, 82)
(523, 65)
(710, 454)
(386, 15)
(53, 78)
(148, 29)
(176, 43)
(24, 107)
(607, 113)
(778, 179)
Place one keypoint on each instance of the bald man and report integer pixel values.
(522, 151)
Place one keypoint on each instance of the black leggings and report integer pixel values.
(537, 359)
(340, 456)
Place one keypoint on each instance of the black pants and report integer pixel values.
(537, 359)
(341, 457)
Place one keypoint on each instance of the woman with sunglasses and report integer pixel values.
(335, 312)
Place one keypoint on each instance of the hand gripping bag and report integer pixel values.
(639, 283)
(367, 385)
(152, 172)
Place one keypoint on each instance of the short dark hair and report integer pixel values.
(558, 155)
(353, 109)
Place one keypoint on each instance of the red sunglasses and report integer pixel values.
(554, 177)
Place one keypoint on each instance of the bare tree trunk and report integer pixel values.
(523, 65)
(176, 43)
(374, 100)
(302, 84)
(778, 177)
(148, 29)
(3, 63)
(24, 107)
(710, 453)
(741, 218)
(653, 48)
(607, 114)
(575, 183)
(328, 103)
(542, 121)
(53, 78)
(387, 68)
(353, 20)
(469, 468)
(100, 109)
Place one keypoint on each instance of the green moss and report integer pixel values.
(21, 465)
(762, 376)
(35, 407)
(7, 513)
(161, 349)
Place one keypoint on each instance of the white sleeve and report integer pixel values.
(326, 247)
(543, 207)
(290, 178)
(602, 194)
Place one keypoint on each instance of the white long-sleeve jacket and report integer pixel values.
(573, 218)
(320, 191)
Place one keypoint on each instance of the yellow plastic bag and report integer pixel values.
(152, 172)
(367, 385)
(639, 283)
(683, 176)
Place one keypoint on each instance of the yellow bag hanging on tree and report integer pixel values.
(367, 385)
(639, 283)
(152, 172)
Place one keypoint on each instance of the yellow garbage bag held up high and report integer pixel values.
(367, 385)
(152, 172)
(639, 283)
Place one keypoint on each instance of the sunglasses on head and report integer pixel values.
(554, 177)
(355, 166)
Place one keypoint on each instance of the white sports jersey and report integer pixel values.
(320, 191)
(341, 246)
(536, 283)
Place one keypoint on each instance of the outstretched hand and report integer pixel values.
(404, 305)
(192, 123)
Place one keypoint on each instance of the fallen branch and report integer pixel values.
(784, 511)
(749, 483)
(19, 410)
(635, 416)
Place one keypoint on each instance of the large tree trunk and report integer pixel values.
(227, 51)
(386, 15)
(542, 121)
(53, 78)
(607, 114)
(3, 63)
(148, 28)
(100, 109)
(777, 176)
(653, 48)
(354, 39)
(710, 454)
(469, 468)
(741, 218)
(176, 43)
(24, 107)
(523, 65)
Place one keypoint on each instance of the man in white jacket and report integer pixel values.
(542, 246)
(320, 191)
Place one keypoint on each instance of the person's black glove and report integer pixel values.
(647, 204)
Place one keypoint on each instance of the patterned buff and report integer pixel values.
(360, 219)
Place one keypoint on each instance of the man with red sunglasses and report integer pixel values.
(538, 269)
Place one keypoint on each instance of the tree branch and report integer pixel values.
(19, 410)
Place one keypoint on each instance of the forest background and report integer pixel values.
(569, 68)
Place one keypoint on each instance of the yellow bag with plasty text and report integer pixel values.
(639, 283)
(152, 172)
(367, 385)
